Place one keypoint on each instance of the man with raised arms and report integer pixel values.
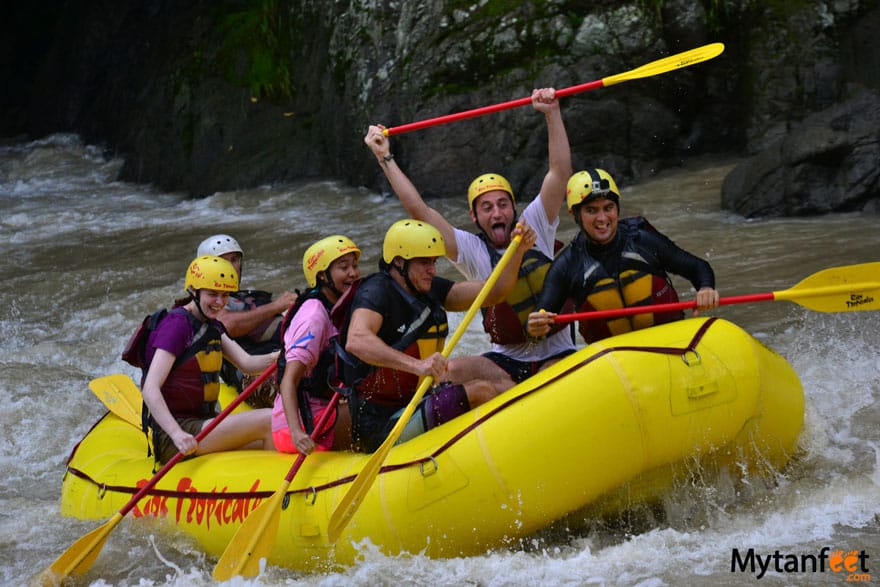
(514, 357)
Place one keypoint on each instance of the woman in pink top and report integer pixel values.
(331, 267)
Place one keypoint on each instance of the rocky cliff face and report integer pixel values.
(204, 96)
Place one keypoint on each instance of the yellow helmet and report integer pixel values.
(209, 272)
(320, 255)
(411, 239)
(488, 182)
(589, 184)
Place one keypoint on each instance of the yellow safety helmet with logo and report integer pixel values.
(589, 184)
(321, 254)
(209, 272)
(411, 239)
(488, 182)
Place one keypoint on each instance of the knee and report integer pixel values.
(262, 421)
(479, 392)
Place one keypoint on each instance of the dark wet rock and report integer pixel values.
(200, 96)
(828, 162)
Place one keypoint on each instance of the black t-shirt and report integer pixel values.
(399, 309)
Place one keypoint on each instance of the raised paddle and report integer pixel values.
(364, 480)
(671, 63)
(256, 536)
(82, 554)
(121, 396)
(851, 288)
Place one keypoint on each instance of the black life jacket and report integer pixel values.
(636, 282)
(429, 325)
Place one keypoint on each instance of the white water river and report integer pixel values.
(83, 258)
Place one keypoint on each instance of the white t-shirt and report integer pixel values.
(474, 263)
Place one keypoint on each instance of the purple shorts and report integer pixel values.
(445, 402)
(442, 404)
(372, 422)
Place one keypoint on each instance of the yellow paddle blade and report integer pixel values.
(80, 556)
(352, 499)
(256, 536)
(253, 540)
(850, 288)
(670, 63)
(121, 396)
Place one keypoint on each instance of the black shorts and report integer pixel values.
(519, 371)
(164, 447)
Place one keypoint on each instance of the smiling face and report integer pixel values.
(494, 213)
(598, 218)
(342, 273)
(212, 302)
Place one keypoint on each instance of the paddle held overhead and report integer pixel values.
(671, 63)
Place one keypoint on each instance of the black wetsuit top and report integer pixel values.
(637, 244)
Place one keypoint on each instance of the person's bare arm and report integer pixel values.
(406, 192)
(558, 152)
(160, 367)
(248, 363)
(293, 373)
(241, 322)
(364, 343)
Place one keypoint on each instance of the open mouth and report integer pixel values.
(499, 232)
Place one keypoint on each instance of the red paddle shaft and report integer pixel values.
(202, 433)
(420, 124)
(598, 314)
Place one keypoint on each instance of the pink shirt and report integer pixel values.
(308, 334)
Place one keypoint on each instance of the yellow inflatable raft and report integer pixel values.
(621, 415)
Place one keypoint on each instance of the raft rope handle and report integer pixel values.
(695, 353)
(313, 492)
(433, 470)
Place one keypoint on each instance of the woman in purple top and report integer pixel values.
(183, 357)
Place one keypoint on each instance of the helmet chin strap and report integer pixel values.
(404, 272)
(194, 293)
(324, 281)
(576, 215)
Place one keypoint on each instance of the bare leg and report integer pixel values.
(479, 392)
(472, 368)
(250, 429)
(547, 363)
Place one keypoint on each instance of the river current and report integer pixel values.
(84, 257)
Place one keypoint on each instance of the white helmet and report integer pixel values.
(218, 245)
